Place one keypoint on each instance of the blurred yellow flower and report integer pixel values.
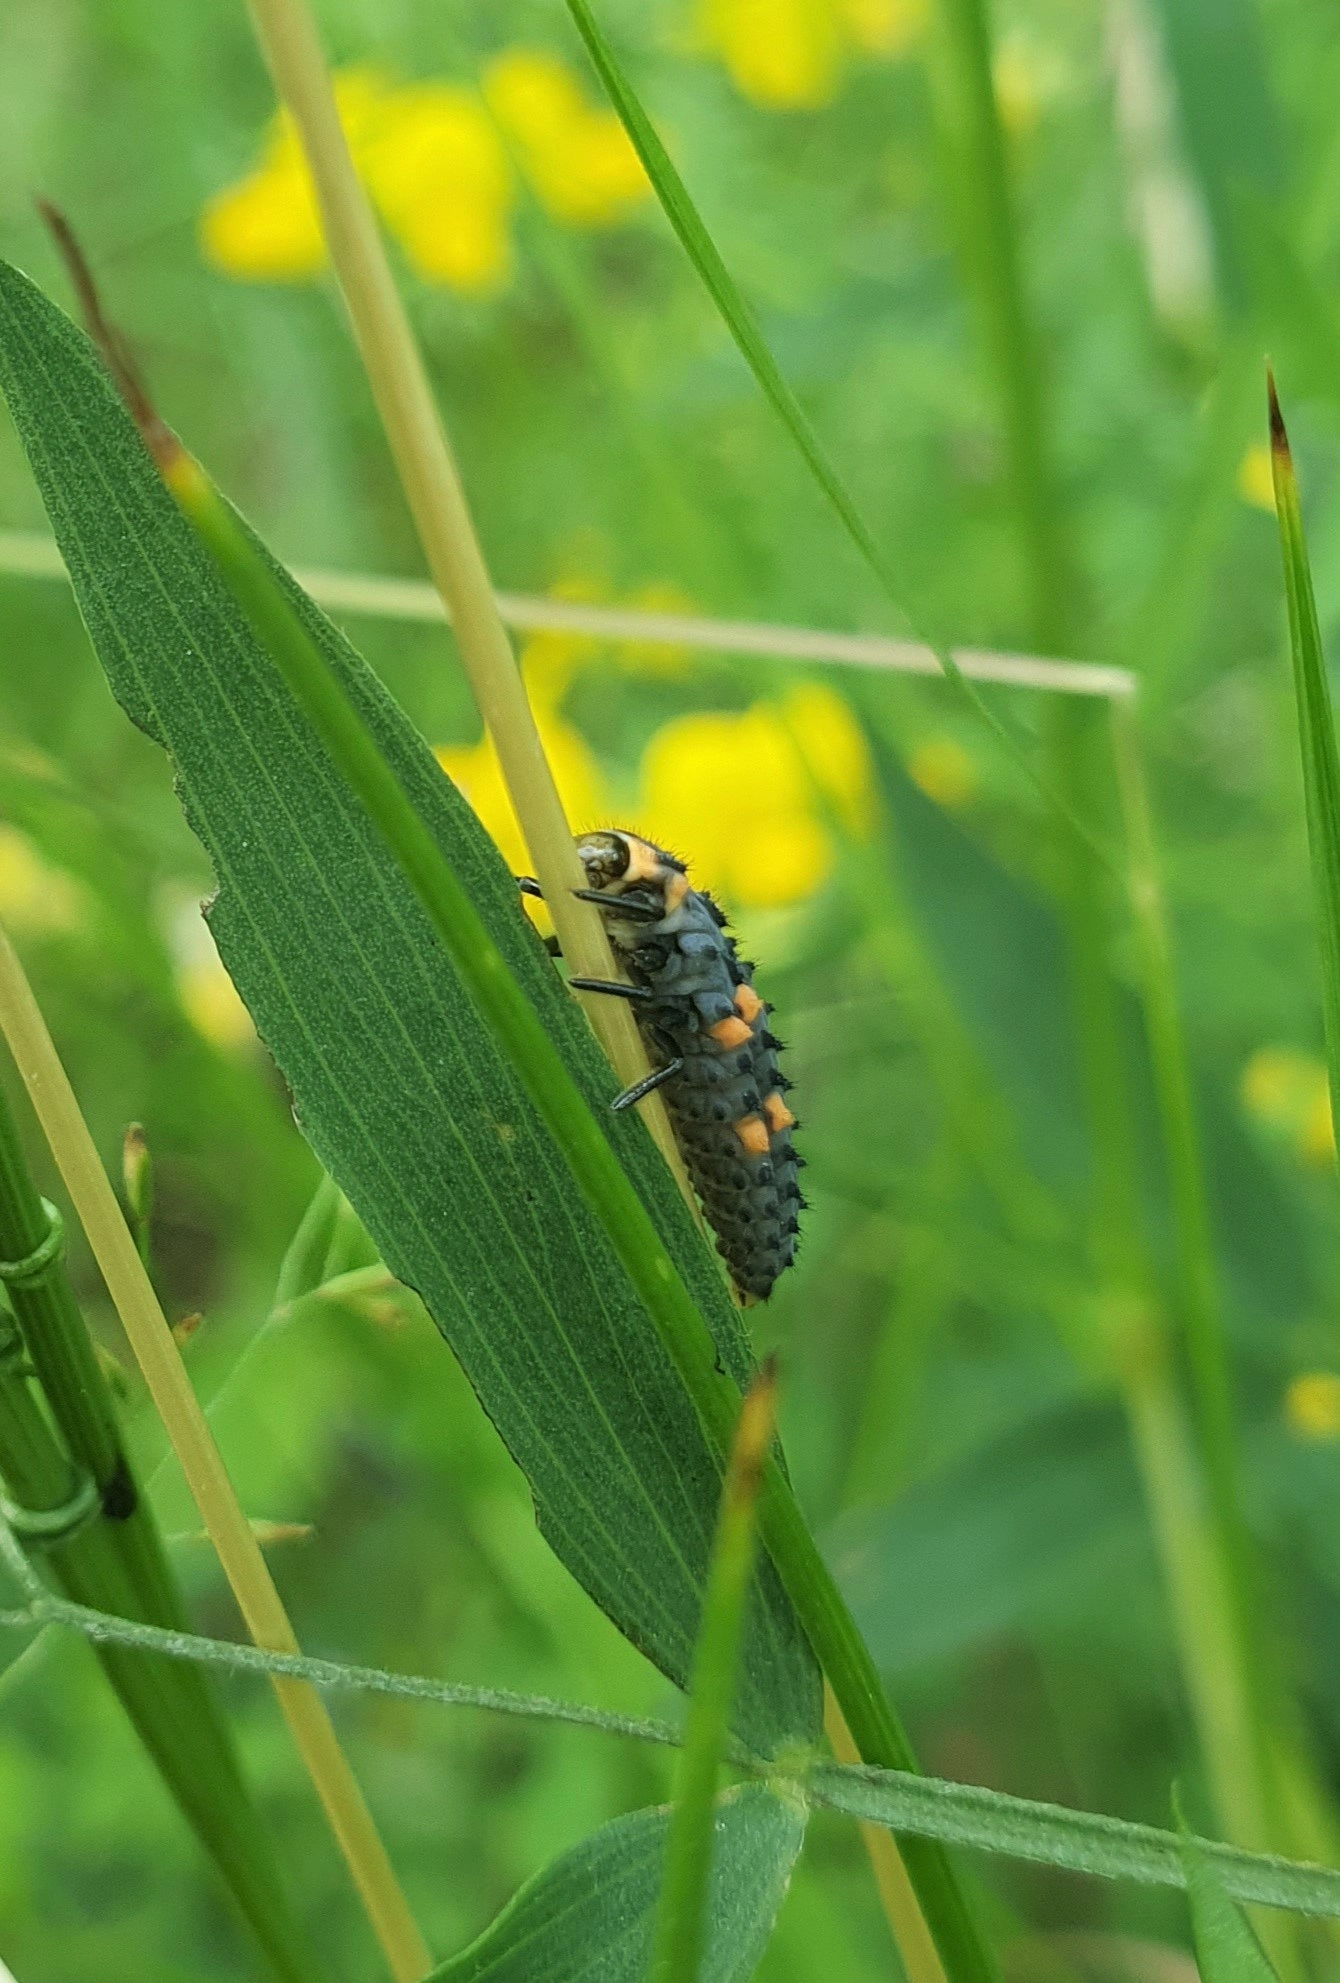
(944, 771)
(1290, 1093)
(1312, 1405)
(474, 769)
(34, 896)
(1256, 484)
(439, 175)
(208, 996)
(436, 164)
(790, 54)
(885, 27)
(743, 797)
(265, 227)
(579, 161)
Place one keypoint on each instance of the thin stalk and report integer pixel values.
(897, 1896)
(428, 473)
(1197, 1279)
(239, 1552)
(682, 1912)
(112, 1558)
(29, 554)
(741, 322)
(599, 1176)
(1316, 733)
(974, 144)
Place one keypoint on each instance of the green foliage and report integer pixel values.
(1226, 1949)
(588, 1917)
(419, 1111)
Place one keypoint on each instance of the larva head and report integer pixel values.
(616, 862)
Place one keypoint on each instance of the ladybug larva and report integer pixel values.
(705, 1026)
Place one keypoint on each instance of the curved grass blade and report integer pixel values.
(740, 321)
(1316, 735)
(587, 1918)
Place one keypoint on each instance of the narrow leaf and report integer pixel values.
(739, 319)
(588, 1917)
(1080, 1841)
(1226, 1949)
(398, 1083)
(682, 1915)
(1316, 736)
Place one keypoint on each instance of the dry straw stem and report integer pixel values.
(902, 1910)
(288, 38)
(31, 554)
(239, 1552)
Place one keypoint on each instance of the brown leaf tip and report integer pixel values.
(1279, 439)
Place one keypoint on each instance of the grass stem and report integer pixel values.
(239, 1552)
(431, 481)
(682, 1913)
(80, 1503)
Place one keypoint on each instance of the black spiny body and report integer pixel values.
(700, 1016)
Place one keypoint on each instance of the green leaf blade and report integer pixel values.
(1226, 1949)
(1316, 736)
(396, 1081)
(587, 1918)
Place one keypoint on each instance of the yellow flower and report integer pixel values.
(208, 996)
(476, 773)
(266, 227)
(34, 896)
(436, 164)
(790, 54)
(579, 160)
(439, 175)
(944, 771)
(1312, 1405)
(736, 794)
(1290, 1093)
(1256, 484)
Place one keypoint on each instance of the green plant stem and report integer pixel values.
(973, 144)
(959, 1813)
(597, 1171)
(1316, 734)
(117, 1564)
(206, 1476)
(1197, 1279)
(681, 1915)
(743, 326)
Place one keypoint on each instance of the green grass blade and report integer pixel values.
(422, 1121)
(973, 144)
(1226, 1949)
(117, 1562)
(1316, 736)
(328, 926)
(743, 326)
(587, 1918)
(683, 1911)
(1081, 1841)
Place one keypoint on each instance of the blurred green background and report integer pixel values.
(949, 1404)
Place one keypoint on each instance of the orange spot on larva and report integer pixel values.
(676, 888)
(753, 1133)
(730, 1032)
(778, 1114)
(747, 1003)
